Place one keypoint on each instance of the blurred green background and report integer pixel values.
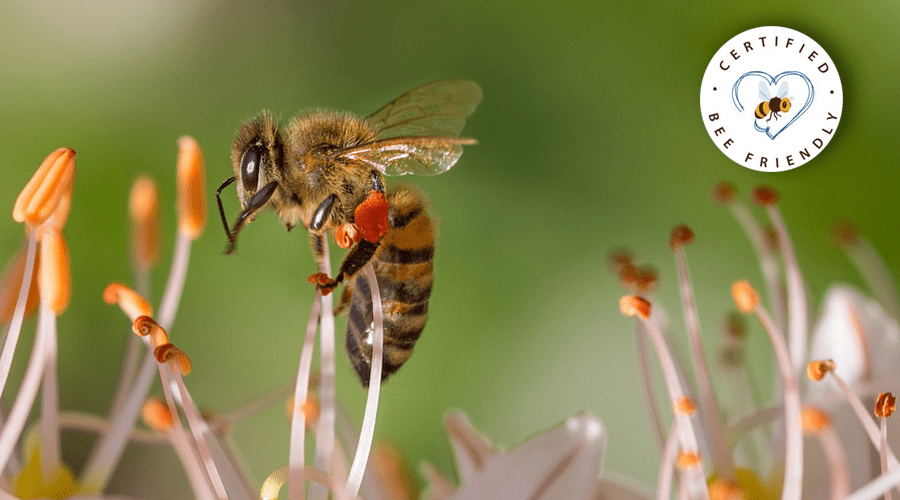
(590, 137)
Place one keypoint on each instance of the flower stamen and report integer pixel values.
(682, 236)
(817, 423)
(747, 301)
(796, 297)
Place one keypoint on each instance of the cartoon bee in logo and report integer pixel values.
(326, 170)
(771, 106)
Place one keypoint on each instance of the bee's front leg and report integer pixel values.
(369, 227)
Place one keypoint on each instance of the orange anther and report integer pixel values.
(60, 214)
(633, 305)
(846, 233)
(168, 352)
(55, 274)
(681, 235)
(724, 192)
(620, 257)
(765, 195)
(646, 278)
(814, 420)
(816, 370)
(132, 304)
(310, 409)
(721, 489)
(143, 207)
(145, 325)
(191, 188)
(688, 460)
(156, 415)
(50, 182)
(745, 297)
(885, 405)
(685, 406)
(371, 217)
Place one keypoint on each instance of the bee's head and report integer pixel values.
(257, 156)
(785, 105)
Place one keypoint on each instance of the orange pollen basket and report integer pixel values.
(371, 217)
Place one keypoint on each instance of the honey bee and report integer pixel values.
(771, 106)
(327, 170)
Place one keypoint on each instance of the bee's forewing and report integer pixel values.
(437, 108)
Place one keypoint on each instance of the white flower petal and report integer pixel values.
(471, 449)
(564, 462)
(846, 315)
(616, 488)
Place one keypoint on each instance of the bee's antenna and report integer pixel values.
(225, 184)
(258, 201)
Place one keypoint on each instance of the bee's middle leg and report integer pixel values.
(357, 258)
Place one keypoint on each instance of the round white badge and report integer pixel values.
(771, 99)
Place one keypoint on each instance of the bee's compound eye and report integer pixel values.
(250, 164)
(785, 105)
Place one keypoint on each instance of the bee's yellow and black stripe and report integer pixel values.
(762, 110)
(403, 266)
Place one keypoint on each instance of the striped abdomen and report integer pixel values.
(403, 266)
(761, 111)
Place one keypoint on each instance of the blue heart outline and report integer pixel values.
(772, 81)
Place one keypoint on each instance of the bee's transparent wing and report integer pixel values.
(438, 108)
(764, 91)
(783, 89)
(409, 155)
